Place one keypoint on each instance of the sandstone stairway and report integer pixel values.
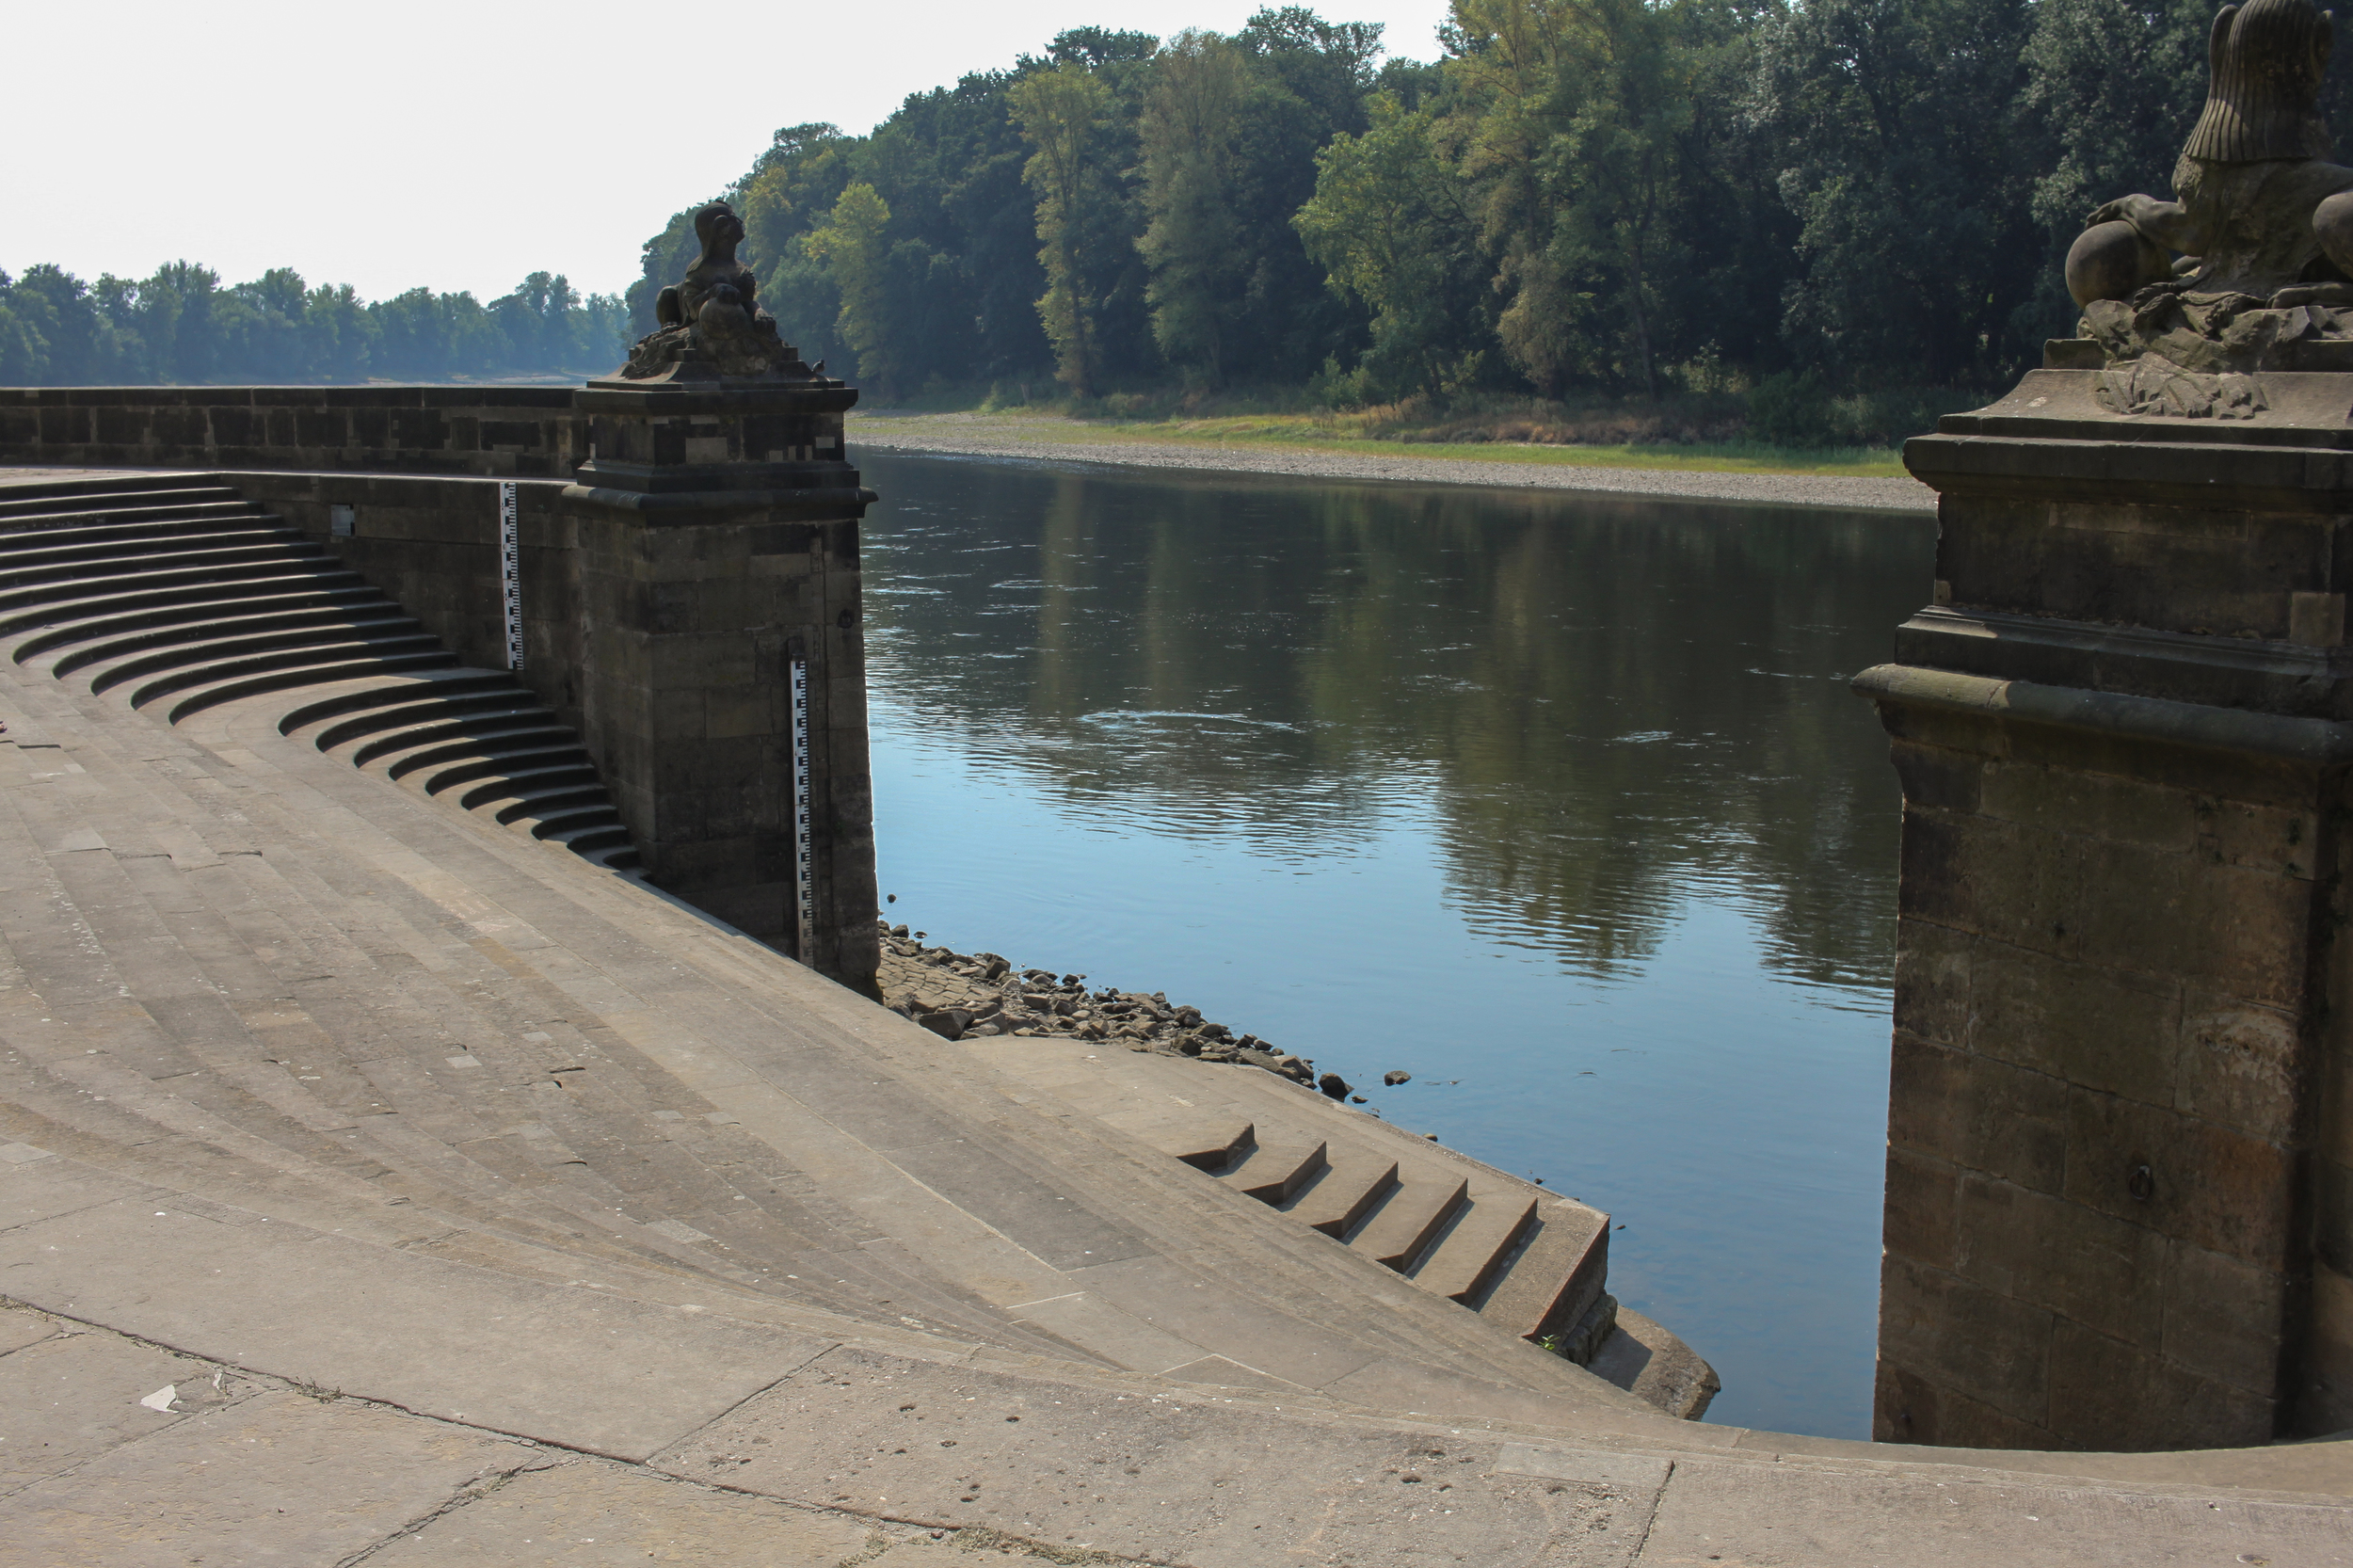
(242, 971)
(508, 1197)
(179, 595)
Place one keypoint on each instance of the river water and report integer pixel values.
(1560, 804)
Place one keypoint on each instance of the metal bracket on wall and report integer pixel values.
(511, 574)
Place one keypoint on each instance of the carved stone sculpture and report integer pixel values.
(711, 326)
(2262, 226)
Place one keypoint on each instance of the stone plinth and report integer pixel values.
(2120, 1182)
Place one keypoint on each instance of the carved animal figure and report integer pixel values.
(2260, 209)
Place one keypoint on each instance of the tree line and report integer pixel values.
(1622, 197)
(181, 327)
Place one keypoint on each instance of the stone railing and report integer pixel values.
(494, 432)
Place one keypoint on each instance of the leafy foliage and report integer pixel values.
(181, 327)
(1805, 203)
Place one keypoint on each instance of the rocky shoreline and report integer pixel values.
(956, 995)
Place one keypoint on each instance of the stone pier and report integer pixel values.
(680, 549)
(2120, 1176)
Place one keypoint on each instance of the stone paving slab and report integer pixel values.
(1734, 1514)
(279, 1479)
(573, 1366)
(581, 1513)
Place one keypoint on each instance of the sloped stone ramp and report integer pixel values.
(381, 1184)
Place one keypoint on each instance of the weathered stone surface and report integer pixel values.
(2122, 730)
(580, 1514)
(306, 1482)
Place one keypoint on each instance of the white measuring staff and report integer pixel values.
(804, 860)
(511, 574)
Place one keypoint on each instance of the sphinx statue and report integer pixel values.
(2255, 253)
(710, 324)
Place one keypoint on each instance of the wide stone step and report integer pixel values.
(310, 674)
(1471, 1252)
(1272, 1172)
(1355, 1179)
(391, 633)
(27, 513)
(242, 533)
(369, 707)
(1395, 1234)
(196, 611)
(1555, 1274)
(530, 783)
(193, 628)
(55, 600)
(530, 754)
(404, 750)
(70, 577)
(396, 651)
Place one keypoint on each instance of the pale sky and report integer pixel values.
(459, 146)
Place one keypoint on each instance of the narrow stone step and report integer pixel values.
(1354, 1180)
(1274, 1171)
(1396, 1234)
(1472, 1250)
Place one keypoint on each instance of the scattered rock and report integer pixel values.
(948, 1023)
(982, 995)
(1392, 1080)
(1333, 1085)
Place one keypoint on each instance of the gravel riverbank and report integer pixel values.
(959, 994)
(1076, 441)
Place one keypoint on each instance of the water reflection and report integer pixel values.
(1561, 804)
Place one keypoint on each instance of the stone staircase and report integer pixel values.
(238, 969)
(1532, 1262)
(177, 594)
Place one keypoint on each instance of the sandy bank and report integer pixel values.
(1060, 440)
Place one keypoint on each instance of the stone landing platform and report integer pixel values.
(379, 1183)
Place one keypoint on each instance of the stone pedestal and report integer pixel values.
(2120, 1179)
(717, 534)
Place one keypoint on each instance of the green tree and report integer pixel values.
(855, 244)
(1390, 226)
(1058, 110)
(1190, 132)
(1902, 156)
